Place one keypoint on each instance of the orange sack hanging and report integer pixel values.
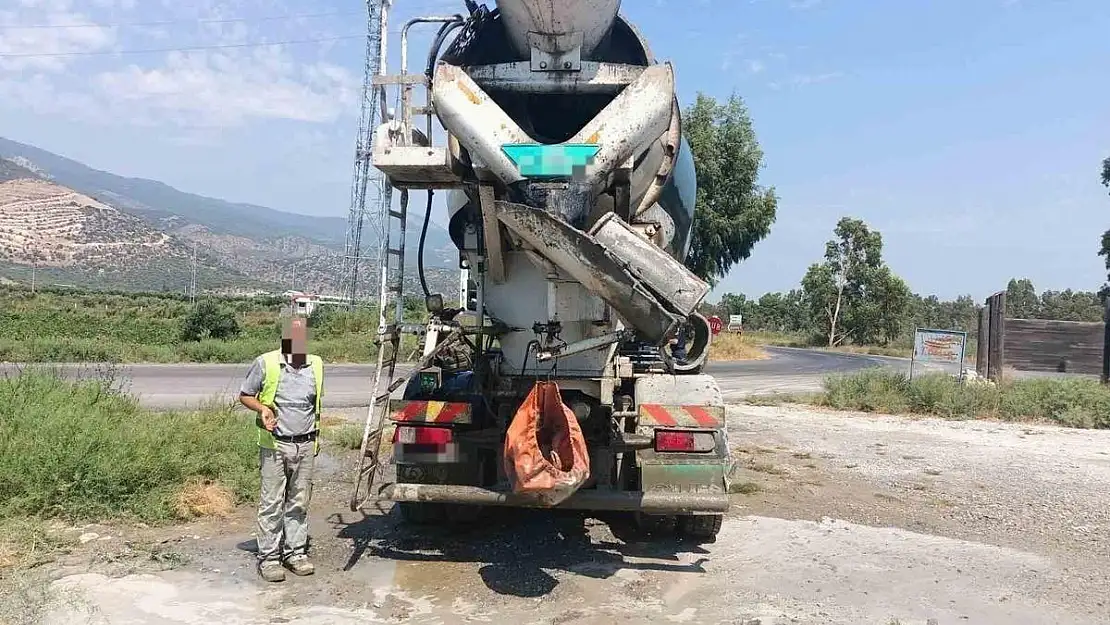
(545, 452)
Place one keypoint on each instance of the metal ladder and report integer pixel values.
(391, 268)
(391, 272)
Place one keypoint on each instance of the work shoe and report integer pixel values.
(300, 565)
(271, 571)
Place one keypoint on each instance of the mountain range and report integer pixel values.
(84, 227)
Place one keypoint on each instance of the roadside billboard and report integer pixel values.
(939, 346)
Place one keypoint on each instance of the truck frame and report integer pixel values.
(568, 273)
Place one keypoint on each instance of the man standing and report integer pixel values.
(285, 388)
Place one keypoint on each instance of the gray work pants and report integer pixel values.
(286, 491)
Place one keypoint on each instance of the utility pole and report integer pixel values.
(365, 175)
(193, 298)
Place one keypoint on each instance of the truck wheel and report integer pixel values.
(420, 513)
(702, 527)
(462, 515)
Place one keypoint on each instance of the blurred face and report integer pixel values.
(294, 338)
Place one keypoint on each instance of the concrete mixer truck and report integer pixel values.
(557, 138)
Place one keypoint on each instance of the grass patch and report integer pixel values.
(345, 436)
(778, 398)
(766, 467)
(26, 543)
(1072, 402)
(744, 488)
(728, 346)
(75, 326)
(85, 451)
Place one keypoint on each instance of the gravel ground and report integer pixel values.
(848, 519)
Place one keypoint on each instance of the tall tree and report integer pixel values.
(733, 212)
(1068, 305)
(853, 295)
(1021, 299)
(1105, 250)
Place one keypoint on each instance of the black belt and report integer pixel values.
(299, 438)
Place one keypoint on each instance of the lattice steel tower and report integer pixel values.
(367, 180)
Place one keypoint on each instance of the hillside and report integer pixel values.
(10, 170)
(69, 238)
(236, 239)
(46, 223)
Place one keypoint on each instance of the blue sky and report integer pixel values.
(969, 132)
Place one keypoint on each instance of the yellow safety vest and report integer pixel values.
(271, 376)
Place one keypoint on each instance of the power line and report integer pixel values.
(180, 49)
(228, 20)
(427, 4)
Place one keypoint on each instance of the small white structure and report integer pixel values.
(304, 304)
(736, 323)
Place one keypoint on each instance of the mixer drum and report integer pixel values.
(591, 18)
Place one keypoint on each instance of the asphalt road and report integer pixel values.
(349, 386)
(790, 370)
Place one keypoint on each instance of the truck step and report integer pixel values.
(417, 167)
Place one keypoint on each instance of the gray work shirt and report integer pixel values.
(295, 400)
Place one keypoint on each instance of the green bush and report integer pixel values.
(868, 391)
(207, 320)
(213, 351)
(86, 451)
(1074, 402)
(57, 325)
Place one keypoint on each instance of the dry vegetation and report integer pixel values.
(729, 346)
(43, 223)
(204, 498)
(67, 234)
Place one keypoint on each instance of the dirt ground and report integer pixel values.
(843, 518)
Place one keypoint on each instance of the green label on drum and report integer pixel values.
(535, 160)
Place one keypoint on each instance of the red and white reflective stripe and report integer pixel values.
(659, 414)
(711, 417)
(702, 416)
(432, 412)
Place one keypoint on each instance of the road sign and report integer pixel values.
(735, 323)
(715, 325)
(942, 346)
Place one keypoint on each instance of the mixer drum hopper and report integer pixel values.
(556, 23)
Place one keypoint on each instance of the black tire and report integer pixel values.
(462, 515)
(420, 513)
(655, 525)
(702, 527)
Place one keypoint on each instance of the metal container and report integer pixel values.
(557, 21)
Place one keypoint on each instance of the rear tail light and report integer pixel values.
(688, 442)
(422, 435)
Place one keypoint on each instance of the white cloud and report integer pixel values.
(217, 88)
(802, 80)
(49, 30)
(203, 88)
(38, 92)
(756, 66)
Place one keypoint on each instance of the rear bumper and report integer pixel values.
(650, 502)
